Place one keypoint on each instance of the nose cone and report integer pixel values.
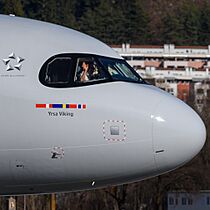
(178, 134)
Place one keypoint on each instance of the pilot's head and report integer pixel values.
(85, 65)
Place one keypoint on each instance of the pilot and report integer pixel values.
(89, 72)
(85, 74)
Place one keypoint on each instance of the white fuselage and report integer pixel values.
(111, 133)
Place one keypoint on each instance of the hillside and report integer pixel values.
(183, 22)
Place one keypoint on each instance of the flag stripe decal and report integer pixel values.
(61, 106)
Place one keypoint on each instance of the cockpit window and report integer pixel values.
(120, 70)
(58, 71)
(88, 70)
(72, 70)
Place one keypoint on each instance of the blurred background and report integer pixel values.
(182, 22)
(168, 43)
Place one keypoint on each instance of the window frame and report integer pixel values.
(51, 62)
(72, 83)
(43, 71)
(128, 66)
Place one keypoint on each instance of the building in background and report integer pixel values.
(188, 201)
(183, 90)
(202, 94)
(181, 70)
(178, 62)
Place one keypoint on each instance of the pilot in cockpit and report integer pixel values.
(87, 71)
(84, 76)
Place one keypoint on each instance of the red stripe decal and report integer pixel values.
(41, 106)
(73, 106)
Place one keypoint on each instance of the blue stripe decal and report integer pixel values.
(57, 106)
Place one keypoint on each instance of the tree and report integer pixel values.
(13, 7)
(1, 6)
(105, 22)
(46, 10)
(65, 13)
(118, 194)
(82, 6)
(204, 36)
(172, 28)
(135, 22)
(188, 16)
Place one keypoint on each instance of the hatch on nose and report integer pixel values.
(114, 130)
(178, 133)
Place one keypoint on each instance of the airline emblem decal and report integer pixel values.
(13, 62)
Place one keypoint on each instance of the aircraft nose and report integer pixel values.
(178, 134)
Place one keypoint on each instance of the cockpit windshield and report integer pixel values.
(69, 70)
(120, 70)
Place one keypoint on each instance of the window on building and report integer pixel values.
(190, 201)
(58, 71)
(200, 91)
(200, 101)
(184, 92)
(171, 201)
(127, 58)
(171, 91)
(160, 81)
(138, 58)
(208, 93)
(137, 67)
(184, 201)
(180, 67)
(171, 67)
(208, 200)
